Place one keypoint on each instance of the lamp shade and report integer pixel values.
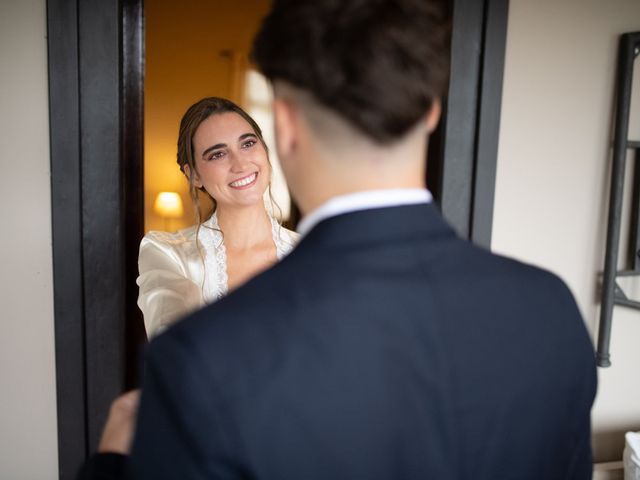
(168, 205)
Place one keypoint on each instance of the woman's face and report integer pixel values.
(232, 162)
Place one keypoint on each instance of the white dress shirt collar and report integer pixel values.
(363, 201)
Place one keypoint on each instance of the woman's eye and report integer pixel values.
(248, 144)
(216, 155)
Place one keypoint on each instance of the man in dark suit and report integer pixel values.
(383, 346)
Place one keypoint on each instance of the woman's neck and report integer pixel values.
(244, 227)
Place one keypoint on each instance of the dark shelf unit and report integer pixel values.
(612, 294)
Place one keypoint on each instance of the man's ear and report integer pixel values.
(285, 126)
(196, 178)
(433, 115)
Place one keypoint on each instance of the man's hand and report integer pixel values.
(118, 432)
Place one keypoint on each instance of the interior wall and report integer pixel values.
(552, 180)
(28, 425)
(187, 58)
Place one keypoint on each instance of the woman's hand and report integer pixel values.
(118, 432)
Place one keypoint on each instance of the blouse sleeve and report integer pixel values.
(166, 292)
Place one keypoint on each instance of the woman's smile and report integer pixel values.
(245, 182)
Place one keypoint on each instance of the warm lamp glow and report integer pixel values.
(168, 205)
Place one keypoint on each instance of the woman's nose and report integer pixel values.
(239, 162)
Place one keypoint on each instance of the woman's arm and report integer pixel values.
(166, 291)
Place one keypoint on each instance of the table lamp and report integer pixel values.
(168, 205)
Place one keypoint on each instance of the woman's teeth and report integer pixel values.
(244, 181)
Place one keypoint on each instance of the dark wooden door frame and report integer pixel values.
(465, 146)
(95, 95)
(96, 63)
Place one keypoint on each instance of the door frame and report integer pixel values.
(465, 145)
(96, 76)
(96, 65)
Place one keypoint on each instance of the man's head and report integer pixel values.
(367, 70)
(377, 63)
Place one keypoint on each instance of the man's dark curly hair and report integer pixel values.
(377, 63)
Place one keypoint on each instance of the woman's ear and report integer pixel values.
(195, 179)
(433, 115)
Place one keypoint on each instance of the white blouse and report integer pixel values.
(176, 279)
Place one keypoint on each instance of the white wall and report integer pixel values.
(553, 172)
(28, 436)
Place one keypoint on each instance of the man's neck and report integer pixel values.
(318, 196)
(327, 178)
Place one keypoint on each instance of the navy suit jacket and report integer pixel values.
(382, 347)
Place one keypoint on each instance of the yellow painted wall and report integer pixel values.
(184, 62)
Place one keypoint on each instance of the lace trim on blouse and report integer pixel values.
(215, 256)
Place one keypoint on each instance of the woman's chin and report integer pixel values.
(246, 201)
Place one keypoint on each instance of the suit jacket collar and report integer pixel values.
(378, 225)
(363, 200)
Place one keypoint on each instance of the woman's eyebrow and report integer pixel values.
(214, 147)
(246, 135)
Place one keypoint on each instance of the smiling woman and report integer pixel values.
(222, 153)
(231, 161)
